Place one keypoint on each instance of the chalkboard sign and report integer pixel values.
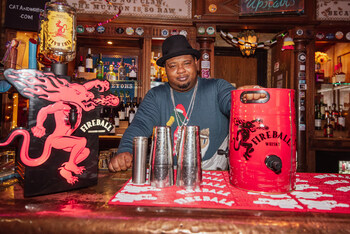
(266, 7)
(24, 14)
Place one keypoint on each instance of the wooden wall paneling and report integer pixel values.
(238, 70)
(310, 100)
(146, 67)
(232, 66)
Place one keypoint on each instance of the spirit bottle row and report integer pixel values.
(116, 71)
(124, 112)
(335, 116)
(157, 72)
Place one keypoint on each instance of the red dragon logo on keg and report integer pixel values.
(243, 134)
(68, 101)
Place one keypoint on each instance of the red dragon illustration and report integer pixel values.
(61, 29)
(67, 99)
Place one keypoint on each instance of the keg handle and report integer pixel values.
(261, 100)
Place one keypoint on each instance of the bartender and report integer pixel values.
(185, 100)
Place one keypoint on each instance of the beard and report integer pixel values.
(184, 86)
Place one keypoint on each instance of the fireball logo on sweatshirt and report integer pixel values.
(182, 114)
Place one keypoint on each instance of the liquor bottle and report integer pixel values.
(121, 71)
(112, 121)
(159, 75)
(57, 33)
(153, 67)
(158, 71)
(326, 112)
(122, 112)
(330, 116)
(134, 103)
(110, 76)
(318, 117)
(116, 117)
(335, 115)
(341, 118)
(328, 128)
(99, 68)
(81, 67)
(127, 108)
(89, 66)
(322, 108)
(131, 113)
(133, 70)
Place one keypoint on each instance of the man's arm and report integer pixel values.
(146, 118)
(224, 89)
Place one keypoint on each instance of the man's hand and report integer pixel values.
(253, 96)
(119, 162)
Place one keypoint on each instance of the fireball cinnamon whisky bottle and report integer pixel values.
(58, 32)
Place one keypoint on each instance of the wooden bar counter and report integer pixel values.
(87, 211)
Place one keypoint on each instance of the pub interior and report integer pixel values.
(302, 46)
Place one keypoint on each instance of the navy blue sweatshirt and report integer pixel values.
(211, 113)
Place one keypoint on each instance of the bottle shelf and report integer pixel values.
(336, 134)
(123, 81)
(339, 142)
(334, 86)
(156, 83)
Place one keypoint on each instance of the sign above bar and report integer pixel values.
(23, 14)
(265, 7)
(166, 9)
(333, 10)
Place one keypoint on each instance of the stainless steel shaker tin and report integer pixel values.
(161, 158)
(139, 168)
(189, 172)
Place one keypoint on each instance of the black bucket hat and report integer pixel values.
(175, 46)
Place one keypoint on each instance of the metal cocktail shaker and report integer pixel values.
(140, 145)
(161, 158)
(189, 172)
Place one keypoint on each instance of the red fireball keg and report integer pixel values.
(263, 141)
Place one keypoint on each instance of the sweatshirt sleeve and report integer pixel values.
(142, 125)
(224, 89)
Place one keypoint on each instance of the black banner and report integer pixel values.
(265, 7)
(24, 14)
